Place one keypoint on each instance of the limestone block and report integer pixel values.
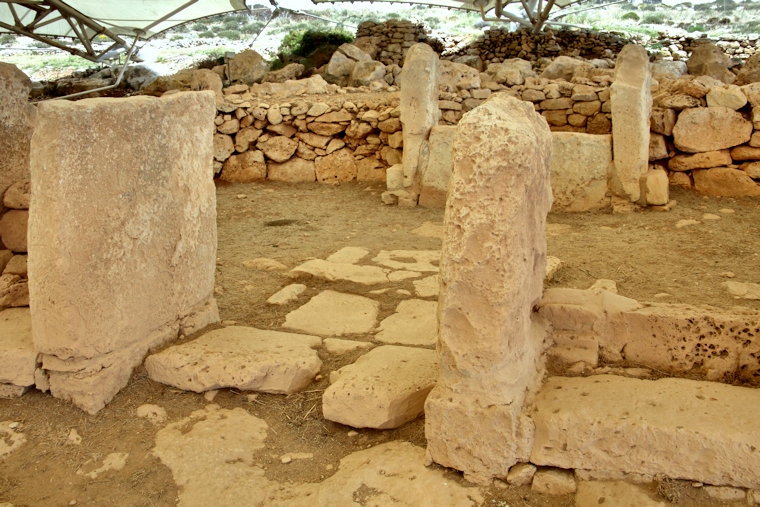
(290, 71)
(704, 160)
(708, 60)
(493, 264)
(521, 474)
(745, 153)
(245, 167)
(325, 129)
(242, 358)
(247, 67)
(436, 170)
(278, 148)
(563, 67)
(755, 139)
(454, 76)
(709, 129)
(701, 431)
(750, 73)
(656, 187)
(338, 166)
(331, 271)
(631, 109)
(363, 73)
(752, 169)
(13, 229)
(130, 274)
(294, 170)
(580, 168)
(414, 323)
(18, 194)
(383, 389)
(394, 177)
(658, 149)
(5, 258)
(589, 108)
(662, 121)
(418, 103)
(223, 147)
(370, 169)
(230, 126)
(14, 291)
(730, 96)
(245, 137)
(510, 72)
(680, 180)
(17, 119)
(314, 140)
(18, 359)
(725, 181)
(554, 482)
(600, 124)
(331, 313)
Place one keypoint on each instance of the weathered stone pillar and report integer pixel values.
(122, 235)
(419, 113)
(16, 125)
(492, 270)
(435, 167)
(631, 101)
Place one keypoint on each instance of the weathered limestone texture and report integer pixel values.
(16, 125)
(631, 108)
(684, 429)
(123, 232)
(436, 169)
(419, 110)
(581, 165)
(492, 269)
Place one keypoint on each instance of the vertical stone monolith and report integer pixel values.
(122, 235)
(419, 112)
(16, 125)
(436, 167)
(492, 269)
(631, 102)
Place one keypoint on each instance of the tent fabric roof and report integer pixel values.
(469, 5)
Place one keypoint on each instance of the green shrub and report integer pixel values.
(176, 37)
(656, 18)
(199, 27)
(208, 34)
(695, 28)
(229, 34)
(631, 15)
(253, 27)
(305, 42)
(7, 38)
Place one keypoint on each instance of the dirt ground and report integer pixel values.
(644, 252)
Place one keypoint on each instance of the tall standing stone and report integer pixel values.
(419, 109)
(492, 268)
(122, 235)
(16, 125)
(631, 102)
(436, 167)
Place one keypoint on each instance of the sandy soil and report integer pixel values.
(644, 252)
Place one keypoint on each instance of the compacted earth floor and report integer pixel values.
(66, 457)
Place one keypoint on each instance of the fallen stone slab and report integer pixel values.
(287, 294)
(684, 429)
(414, 323)
(410, 260)
(384, 388)
(243, 358)
(332, 271)
(331, 313)
(740, 290)
(348, 255)
(18, 359)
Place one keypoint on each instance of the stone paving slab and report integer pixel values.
(384, 388)
(427, 287)
(348, 255)
(244, 358)
(410, 260)
(414, 323)
(331, 313)
(287, 294)
(337, 346)
(332, 271)
(687, 429)
(18, 359)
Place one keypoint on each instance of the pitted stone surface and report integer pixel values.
(414, 323)
(331, 313)
(331, 271)
(18, 359)
(243, 358)
(383, 389)
(701, 431)
(410, 260)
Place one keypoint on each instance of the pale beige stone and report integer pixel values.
(245, 137)
(725, 493)
(708, 60)
(436, 167)
(278, 148)
(618, 493)
(337, 346)
(331, 313)
(245, 167)
(694, 430)
(287, 294)
(730, 96)
(427, 287)
(13, 229)
(294, 170)
(493, 266)
(658, 149)
(338, 166)
(521, 474)
(14, 291)
(17, 118)
(563, 67)
(580, 168)
(247, 67)
(725, 181)
(18, 359)
(133, 274)
(656, 187)
(745, 153)
(223, 147)
(631, 108)
(662, 121)
(740, 290)
(554, 482)
(18, 195)
(348, 255)
(411, 260)
(678, 179)
(264, 264)
(370, 169)
(414, 323)
(327, 270)
(705, 160)
(243, 358)
(752, 169)
(709, 129)
(383, 389)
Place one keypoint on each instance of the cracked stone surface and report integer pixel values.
(410, 260)
(414, 323)
(331, 313)
(331, 271)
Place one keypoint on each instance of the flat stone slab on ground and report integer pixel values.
(287, 294)
(337, 346)
(414, 323)
(18, 359)
(700, 431)
(244, 358)
(332, 271)
(348, 255)
(427, 287)
(331, 313)
(410, 260)
(384, 388)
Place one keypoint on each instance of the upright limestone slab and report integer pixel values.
(122, 235)
(16, 125)
(492, 269)
(419, 108)
(631, 102)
